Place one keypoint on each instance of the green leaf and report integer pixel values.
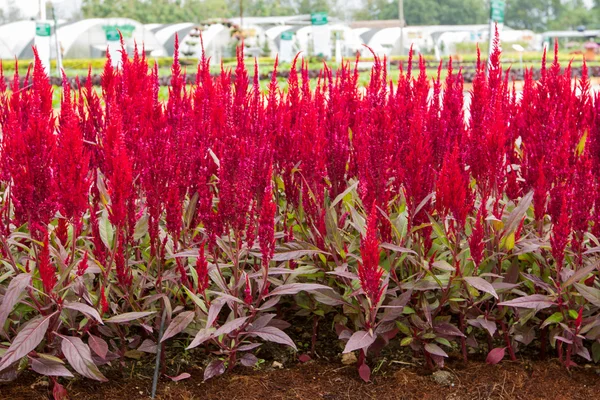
(553, 319)
(294, 251)
(141, 227)
(517, 214)
(581, 144)
(509, 241)
(596, 352)
(406, 341)
(197, 300)
(402, 328)
(589, 293)
(107, 231)
(341, 196)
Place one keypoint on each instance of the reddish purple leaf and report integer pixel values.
(293, 251)
(535, 301)
(248, 360)
(59, 392)
(202, 336)
(365, 372)
(447, 329)
(128, 317)
(435, 350)
(80, 358)
(27, 340)
(230, 326)
(359, 340)
(49, 368)
(148, 346)
(261, 321)
(481, 284)
(396, 306)
(279, 324)
(483, 323)
(248, 347)
(17, 285)
(98, 345)
(215, 368)
(304, 358)
(214, 310)
(294, 288)
(496, 355)
(179, 377)
(85, 309)
(272, 302)
(178, 324)
(275, 335)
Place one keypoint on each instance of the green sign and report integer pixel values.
(112, 32)
(497, 11)
(287, 35)
(42, 29)
(319, 18)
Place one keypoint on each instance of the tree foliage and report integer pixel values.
(170, 11)
(538, 15)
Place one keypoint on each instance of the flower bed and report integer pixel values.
(128, 225)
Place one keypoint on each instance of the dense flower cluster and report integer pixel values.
(226, 200)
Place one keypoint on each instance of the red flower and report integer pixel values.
(369, 272)
(103, 302)
(28, 150)
(72, 161)
(202, 270)
(266, 228)
(47, 270)
(476, 240)
(83, 265)
(124, 275)
(248, 292)
(453, 194)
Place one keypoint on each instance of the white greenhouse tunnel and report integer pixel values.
(87, 38)
(82, 39)
(216, 38)
(269, 36)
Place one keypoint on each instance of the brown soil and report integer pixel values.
(334, 381)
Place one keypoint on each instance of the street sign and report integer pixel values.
(287, 35)
(319, 18)
(112, 33)
(42, 29)
(497, 11)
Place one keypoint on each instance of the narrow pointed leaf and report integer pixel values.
(80, 358)
(178, 324)
(359, 340)
(27, 340)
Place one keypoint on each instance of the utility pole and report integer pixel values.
(43, 10)
(42, 37)
(402, 23)
(57, 44)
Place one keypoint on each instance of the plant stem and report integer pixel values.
(158, 352)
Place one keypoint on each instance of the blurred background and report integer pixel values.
(77, 33)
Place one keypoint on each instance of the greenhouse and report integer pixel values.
(83, 39)
(217, 39)
(89, 38)
(384, 37)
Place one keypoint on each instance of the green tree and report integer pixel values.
(160, 11)
(427, 12)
